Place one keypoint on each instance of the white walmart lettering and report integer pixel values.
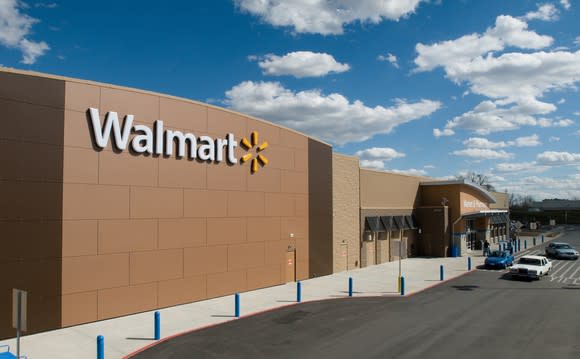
(159, 141)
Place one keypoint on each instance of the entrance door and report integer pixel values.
(290, 266)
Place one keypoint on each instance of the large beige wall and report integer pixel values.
(143, 232)
(97, 233)
(345, 198)
(388, 190)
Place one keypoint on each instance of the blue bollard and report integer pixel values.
(441, 273)
(298, 292)
(100, 347)
(468, 263)
(534, 241)
(157, 326)
(542, 238)
(350, 286)
(237, 304)
(525, 244)
(519, 245)
(402, 285)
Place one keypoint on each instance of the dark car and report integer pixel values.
(499, 259)
(561, 250)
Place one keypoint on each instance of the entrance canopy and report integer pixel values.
(497, 216)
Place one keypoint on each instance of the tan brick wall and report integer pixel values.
(345, 197)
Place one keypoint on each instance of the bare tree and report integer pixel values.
(479, 179)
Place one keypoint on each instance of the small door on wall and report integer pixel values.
(290, 266)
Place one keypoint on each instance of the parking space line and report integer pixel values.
(568, 269)
(573, 275)
(560, 267)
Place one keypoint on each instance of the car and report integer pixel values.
(561, 250)
(499, 259)
(531, 267)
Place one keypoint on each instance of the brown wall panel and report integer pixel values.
(81, 165)
(79, 238)
(241, 256)
(246, 204)
(154, 266)
(294, 182)
(225, 283)
(280, 157)
(31, 123)
(180, 291)
(225, 230)
(22, 161)
(31, 135)
(86, 201)
(144, 107)
(205, 260)
(127, 235)
(227, 177)
(150, 202)
(79, 308)
(276, 251)
(320, 208)
(294, 227)
(291, 139)
(86, 273)
(267, 180)
(80, 97)
(222, 122)
(264, 276)
(264, 229)
(182, 233)
(279, 204)
(77, 131)
(127, 169)
(32, 89)
(378, 189)
(268, 133)
(115, 302)
(183, 115)
(203, 203)
(181, 173)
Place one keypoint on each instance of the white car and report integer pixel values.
(531, 267)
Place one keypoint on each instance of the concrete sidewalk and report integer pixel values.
(125, 335)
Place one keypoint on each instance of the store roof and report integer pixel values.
(486, 194)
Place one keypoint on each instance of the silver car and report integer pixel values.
(561, 250)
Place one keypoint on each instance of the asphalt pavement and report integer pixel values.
(479, 315)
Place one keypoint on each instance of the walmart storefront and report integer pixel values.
(118, 201)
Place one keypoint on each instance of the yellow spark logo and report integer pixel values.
(259, 159)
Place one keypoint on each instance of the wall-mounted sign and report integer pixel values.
(161, 141)
(474, 204)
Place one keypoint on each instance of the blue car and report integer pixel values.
(499, 259)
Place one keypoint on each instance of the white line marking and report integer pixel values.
(563, 274)
(573, 275)
(560, 267)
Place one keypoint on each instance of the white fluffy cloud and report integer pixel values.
(545, 187)
(545, 12)
(514, 82)
(554, 139)
(484, 143)
(379, 153)
(389, 58)
(14, 30)
(301, 64)
(326, 16)
(483, 153)
(520, 167)
(565, 4)
(553, 158)
(331, 117)
(376, 157)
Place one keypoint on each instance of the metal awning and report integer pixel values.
(398, 221)
(410, 221)
(387, 222)
(374, 224)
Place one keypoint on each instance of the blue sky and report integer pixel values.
(433, 88)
